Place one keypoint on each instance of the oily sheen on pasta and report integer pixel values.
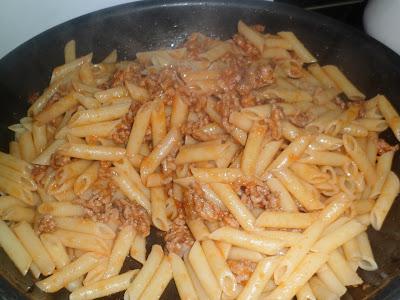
(261, 168)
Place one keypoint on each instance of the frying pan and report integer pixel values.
(157, 24)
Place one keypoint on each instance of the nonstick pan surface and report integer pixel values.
(150, 25)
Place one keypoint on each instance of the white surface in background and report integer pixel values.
(21, 20)
(382, 21)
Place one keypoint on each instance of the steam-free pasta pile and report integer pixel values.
(262, 168)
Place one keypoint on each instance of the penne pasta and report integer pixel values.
(360, 158)
(276, 219)
(251, 241)
(390, 114)
(367, 261)
(138, 248)
(320, 290)
(18, 214)
(321, 76)
(259, 279)
(252, 149)
(104, 287)
(383, 167)
(234, 205)
(82, 241)
(344, 233)
(69, 273)
(159, 281)
(63, 70)
(70, 51)
(306, 269)
(34, 246)
(390, 190)
(61, 209)
(131, 190)
(86, 179)
(220, 268)
(297, 46)
(179, 112)
(201, 152)
(27, 147)
(139, 127)
(261, 169)
(342, 269)
(253, 36)
(237, 253)
(343, 83)
(56, 109)
(160, 152)
(291, 153)
(44, 157)
(222, 175)
(305, 293)
(56, 249)
(140, 282)
(158, 123)
(101, 114)
(85, 226)
(328, 277)
(158, 209)
(203, 271)
(14, 248)
(181, 277)
(92, 152)
(309, 198)
(119, 251)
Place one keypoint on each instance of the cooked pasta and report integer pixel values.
(262, 171)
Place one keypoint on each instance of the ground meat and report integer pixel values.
(248, 100)
(98, 199)
(274, 124)
(242, 269)
(196, 44)
(38, 172)
(300, 119)
(384, 147)
(132, 214)
(123, 130)
(229, 220)
(228, 104)
(341, 103)
(192, 126)
(178, 238)
(247, 48)
(104, 202)
(92, 140)
(256, 195)
(98, 204)
(105, 169)
(130, 73)
(57, 160)
(196, 206)
(45, 224)
(255, 76)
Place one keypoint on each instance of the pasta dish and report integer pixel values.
(261, 168)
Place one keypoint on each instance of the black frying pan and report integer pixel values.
(154, 24)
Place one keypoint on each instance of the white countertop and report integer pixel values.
(21, 20)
